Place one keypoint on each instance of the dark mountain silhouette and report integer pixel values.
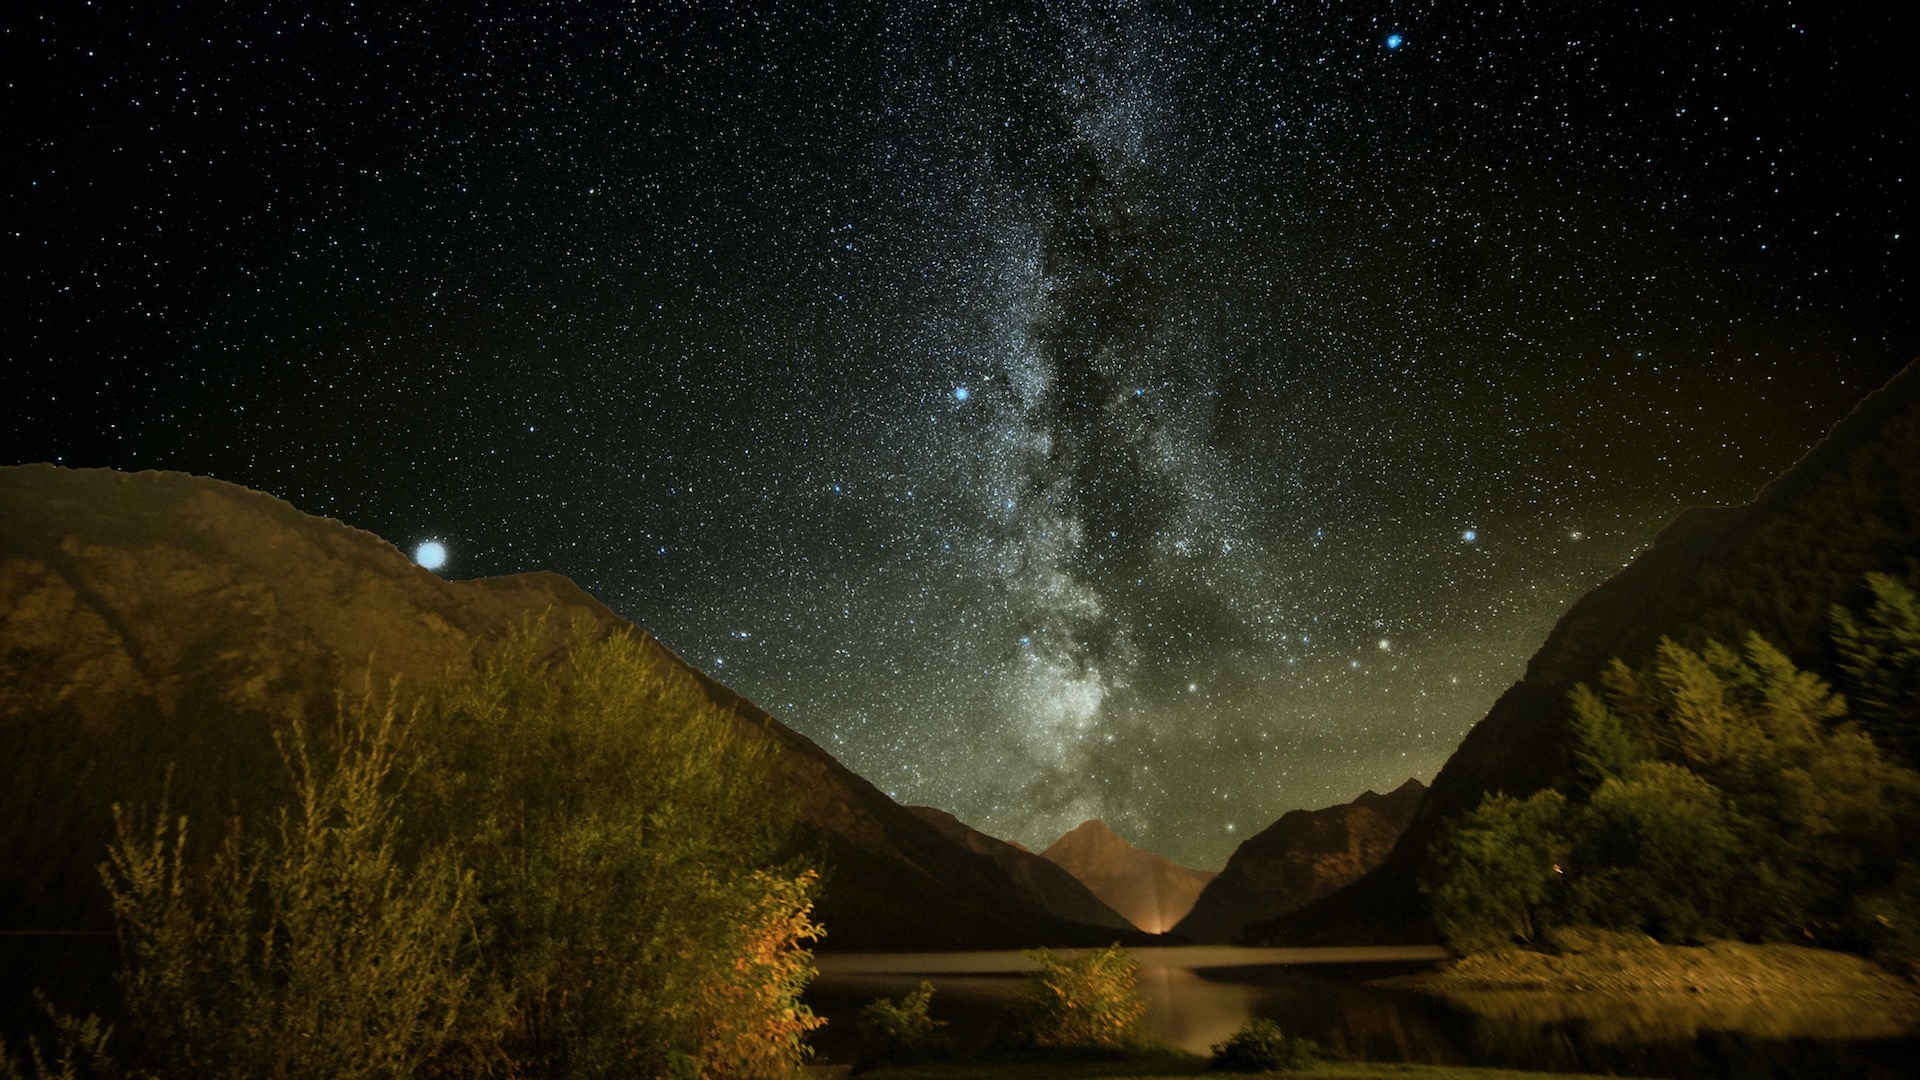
(158, 619)
(1299, 859)
(1849, 507)
(1040, 881)
(1151, 891)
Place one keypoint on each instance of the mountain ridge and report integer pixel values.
(1150, 890)
(154, 617)
(1849, 506)
(1302, 856)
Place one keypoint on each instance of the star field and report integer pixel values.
(1173, 413)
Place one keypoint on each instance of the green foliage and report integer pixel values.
(584, 882)
(899, 1030)
(1723, 793)
(626, 834)
(314, 952)
(1880, 655)
(1490, 873)
(1657, 848)
(81, 1055)
(1601, 746)
(1091, 1000)
(1260, 1046)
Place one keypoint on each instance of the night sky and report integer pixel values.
(1173, 413)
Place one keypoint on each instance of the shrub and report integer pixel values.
(894, 1031)
(628, 833)
(586, 883)
(314, 952)
(1260, 1046)
(1089, 1000)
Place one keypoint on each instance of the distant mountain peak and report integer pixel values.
(1093, 831)
(1303, 856)
(1153, 892)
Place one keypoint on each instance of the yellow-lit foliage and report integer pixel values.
(315, 951)
(1089, 1000)
(558, 866)
(626, 833)
(756, 1026)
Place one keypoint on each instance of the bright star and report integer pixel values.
(432, 554)
(1469, 536)
(1394, 41)
(961, 393)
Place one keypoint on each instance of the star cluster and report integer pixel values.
(1176, 413)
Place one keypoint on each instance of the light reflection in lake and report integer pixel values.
(1197, 996)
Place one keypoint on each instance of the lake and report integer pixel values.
(1197, 996)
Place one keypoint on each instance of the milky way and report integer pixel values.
(1171, 413)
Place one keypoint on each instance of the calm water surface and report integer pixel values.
(1197, 996)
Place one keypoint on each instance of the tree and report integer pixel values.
(1602, 748)
(1491, 873)
(585, 882)
(1657, 848)
(1880, 655)
(1720, 792)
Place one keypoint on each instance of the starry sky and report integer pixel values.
(1176, 413)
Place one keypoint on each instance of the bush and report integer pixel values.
(585, 882)
(898, 1031)
(1260, 1046)
(314, 952)
(627, 833)
(1092, 1000)
(1491, 873)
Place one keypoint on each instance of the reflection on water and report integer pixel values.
(1196, 997)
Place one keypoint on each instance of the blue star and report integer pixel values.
(1394, 41)
(1469, 536)
(961, 393)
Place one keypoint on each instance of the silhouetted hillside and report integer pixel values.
(1040, 881)
(160, 620)
(1849, 507)
(1151, 891)
(1298, 859)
